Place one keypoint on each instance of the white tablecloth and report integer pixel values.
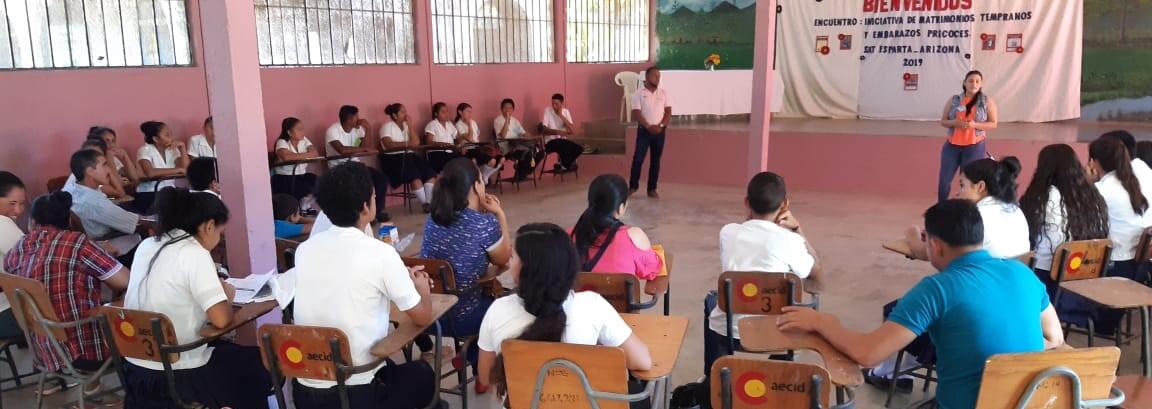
(720, 92)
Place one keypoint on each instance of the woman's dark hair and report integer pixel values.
(605, 195)
(975, 97)
(53, 209)
(548, 266)
(1112, 156)
(1144, 152)
(286, 125)
(1085, 211)
(452, 188)
(151, 130)
(460, 110)
(436, 108)
(8, 181)
(508, 101)
(999, 177)
(97, 132)
(180, 209)
(392, 110)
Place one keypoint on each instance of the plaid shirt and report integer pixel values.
(71, 268)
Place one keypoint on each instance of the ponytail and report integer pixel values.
(999, 177)
(151, 130)
(1113, 157)
(452, 190)
(286, 125)
(605, 195)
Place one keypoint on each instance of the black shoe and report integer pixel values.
(903, 385)
(653, 194)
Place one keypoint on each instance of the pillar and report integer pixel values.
(765, 47)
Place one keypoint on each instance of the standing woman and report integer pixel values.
(468, 136)
(119, 157)
(440, 136)
(967, 117)
(293, 180)
(399, 157)
(605, 243)
(160, 156)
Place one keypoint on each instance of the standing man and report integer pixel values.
(652, 109)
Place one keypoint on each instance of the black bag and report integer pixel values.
(693, 395)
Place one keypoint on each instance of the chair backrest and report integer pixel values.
(758, 383)
(285, 254)
(526, 361)
(441, 272)
(1080, 260)
(1007, 377)
(303, 352)
(1029, 259)
(26, 297)
(57, 183)
(620, 289)
(1144, 247)
(757, 293)
(132, 335)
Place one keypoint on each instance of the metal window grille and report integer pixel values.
(492, 31)
(334, 32)
(607, 31)
(93, 33)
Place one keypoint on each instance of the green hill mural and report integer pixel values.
(688, 31)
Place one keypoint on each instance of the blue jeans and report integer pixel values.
(644, 142)
(952, 158)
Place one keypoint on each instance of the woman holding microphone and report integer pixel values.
(967, 116)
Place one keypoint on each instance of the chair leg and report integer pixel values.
(1091, 332)
(40, 390)
(12, 366)
(927, 377)
(895, 376)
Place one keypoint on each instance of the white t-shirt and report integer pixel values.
(10, 234)
(441, 133)
(462, 128)
(301, 147)
(553, 121)
(1005, 228)
(1143, 173)
(1124, 225)
(347, 280)
(651, 104)
(198, 147)
(515, 129)
(181, 285)
(150, 153)
(591, 321)
(322, 223)
(759, 245)
(395, 134)
(350, 139)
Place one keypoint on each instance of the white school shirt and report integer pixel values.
(150, 153)
(461, 128)
(759, 245)
(198, 147)
(301, 146)
(323, 223)
(350, 139)
(1052, 231)
(347, 280)
(591, 321)
(10, 234)
(651, 104)
(1005, 228)
(1143, 174)
(515, 129)
(182, 285)
(441, 133)
(553, 121)
(1124, 225)
(395, 134)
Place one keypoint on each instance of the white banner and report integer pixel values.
(905, 58)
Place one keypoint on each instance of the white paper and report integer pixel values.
(253, 288)
(284, 287)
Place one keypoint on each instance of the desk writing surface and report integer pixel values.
(1112, 292)
(298, 161)
(664, 335)
(406, 331)
(760, 334)
(243, 315)
(899, 246)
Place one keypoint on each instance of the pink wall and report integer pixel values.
(56, 107)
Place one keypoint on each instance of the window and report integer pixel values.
(492, 31)
(334, 32)
(607, 30)
(93, 33)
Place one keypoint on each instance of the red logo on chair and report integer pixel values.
(747, 290)
(124, 328)
(291, 355)
(752, 388)
(1075, 262)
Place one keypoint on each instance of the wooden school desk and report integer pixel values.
(664, 335)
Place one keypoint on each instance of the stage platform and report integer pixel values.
(854, 156)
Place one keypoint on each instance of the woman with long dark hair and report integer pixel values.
(294, 180)
(160, 156)
(967, 116)
(399, 157)
(487, 157)
(440, 136)
(545, 308)
(991, 184)
(1127, 202)
(605, 243)
(174, 275)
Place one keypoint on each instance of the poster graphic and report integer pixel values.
(988, 42)
(911, 82)
(822, 44)
(1015, 43)
(845, 41)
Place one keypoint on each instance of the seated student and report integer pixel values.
(508, 127)
(1139, 168)
(124, 163)
(557, 127)
(345, 138)
(203, 145)
(202, 176)
(468, 229)
(349, 281)
(293, 145)
(977, 306)
(174, 275)
(289, 223)
(161, 155)
(115, 187)
(606, 244)
(771, 241)
(544, 308)
(406, 165)
(71, 267)
(102, 219)
(487, 157)
(12, 203)
(440, 136)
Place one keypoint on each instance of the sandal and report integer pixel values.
(54, 389)
(100, 398)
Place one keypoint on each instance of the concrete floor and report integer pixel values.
(845, 229)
